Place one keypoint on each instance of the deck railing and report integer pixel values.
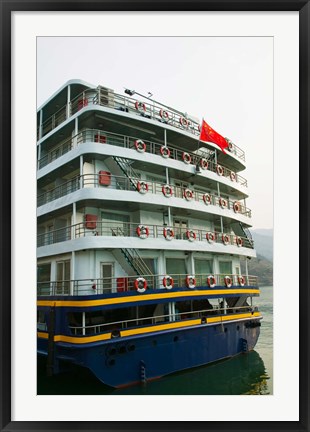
(157, 319)
(118, 102)
(127, 184)
(130, 283)
(103, 137)
(124, 229)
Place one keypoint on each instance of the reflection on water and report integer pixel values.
(245, 374)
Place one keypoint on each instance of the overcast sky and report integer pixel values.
(228, 81)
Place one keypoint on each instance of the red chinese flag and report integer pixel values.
(210, 135)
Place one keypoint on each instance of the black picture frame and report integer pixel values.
(6, 9)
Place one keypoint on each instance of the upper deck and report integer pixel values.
(75, 97)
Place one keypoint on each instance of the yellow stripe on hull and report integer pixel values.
(145, 297)
(144, 330)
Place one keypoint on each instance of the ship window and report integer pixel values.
(115, 224)
(41, 321)
(174, 268)
(43, 278)
(225, 267)
(203, 267)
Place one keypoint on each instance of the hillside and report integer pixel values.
(263, 242)
(262, 266)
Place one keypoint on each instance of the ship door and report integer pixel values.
(179, 188)
(107, 278)
(180, 228)
(63, 277)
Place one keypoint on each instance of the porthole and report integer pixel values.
(154, 343)
(122, 349)
(131, 347)
(176, 338)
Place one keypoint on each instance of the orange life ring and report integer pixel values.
(142, 231)
(225, 239)
(186, 157)
(167, 190)
(228, 281)
(142, 187)
(223, 203)
(239, 241)
(140, 106)
(203, 163)
(241, 280)
(165, 152)
(210, 236)
(188, 194)
(191, 235)
(164, 114)
(168, 282)
(190, 281)
(219, 170)
(140, 284)
(237, 207)
(207, 198)
(211, 281)
(233, 176)
(168, 233)
(184, 122)
(140, 146)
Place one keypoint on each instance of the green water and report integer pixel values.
(249, 373)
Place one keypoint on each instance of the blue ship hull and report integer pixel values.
(130, 360)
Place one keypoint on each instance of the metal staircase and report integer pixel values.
(136, 262)
(132, 257)
(125, 165)
(248, 235)
(245, 233)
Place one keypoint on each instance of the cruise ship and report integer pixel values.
(142, 238)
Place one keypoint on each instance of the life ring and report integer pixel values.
(207, 199)
(186, 157)
(142, 231)
(165, 152)
(190, 281)
(168, 233)
(140, 146)
(223, 203)
(140, 106)
(210, 236)
(142, 187)
(239, 241)
(228, 281)
(184, 122)
(241, 280)
(225, 239)
(237, 207)
(233, 176)
(191, 235)
(219, 170)
(167, 190)
(140, 284)
(211, 281)
(188, 194)
(164, 114)
(203, 163)
(168, 282)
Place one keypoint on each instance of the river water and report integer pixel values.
(249, 373)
